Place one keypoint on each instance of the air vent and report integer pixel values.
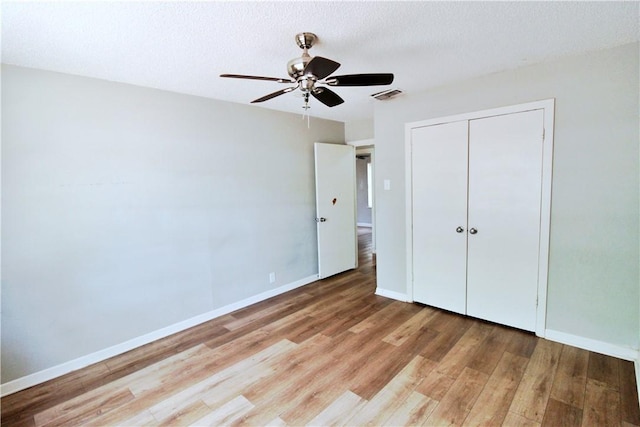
(386, 94)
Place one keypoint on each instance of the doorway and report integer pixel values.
(366, 258)
(337, 205)
(365, 191)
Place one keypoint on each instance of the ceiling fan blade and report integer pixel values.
(361, 80)
(271, 79)
(274, 94)
(321, 67)
(327, 96)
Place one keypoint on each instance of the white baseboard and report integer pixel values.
(596, 346)
(365, 224)
(392, 294)
(101, 355)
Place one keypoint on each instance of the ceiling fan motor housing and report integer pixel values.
(296, 66)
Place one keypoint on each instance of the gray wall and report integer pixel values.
(362, 189)
(356, 130)
(127, 209)
(593, 271)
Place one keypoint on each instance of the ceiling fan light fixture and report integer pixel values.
(306, 84)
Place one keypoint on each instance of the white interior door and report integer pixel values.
(505, 181)
(439, 187)
(335, 208)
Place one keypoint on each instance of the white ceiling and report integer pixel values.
(185, 46)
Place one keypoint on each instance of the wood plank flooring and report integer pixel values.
(334, 353)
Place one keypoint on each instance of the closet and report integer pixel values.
(476, 213)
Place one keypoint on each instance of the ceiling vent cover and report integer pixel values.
(386, 94)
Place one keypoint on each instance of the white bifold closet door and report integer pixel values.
(476, 188)
(439, 165)
(505, 188)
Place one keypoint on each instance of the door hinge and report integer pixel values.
(543, 133)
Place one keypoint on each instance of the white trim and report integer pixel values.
(636, 363)
(355, 209)
(370, 149)
(548, 106)
(101, 355)
(374, 229)
(365, 224)
(399, 296)
(545, 214)
(361, 142)
(596, 346)
(408, 209)
(510, 109)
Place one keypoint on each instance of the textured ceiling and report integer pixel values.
(185, 46)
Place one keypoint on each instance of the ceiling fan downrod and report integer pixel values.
(296, 66)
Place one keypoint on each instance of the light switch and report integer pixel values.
(387, 184)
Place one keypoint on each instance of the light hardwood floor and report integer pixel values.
(333, 353)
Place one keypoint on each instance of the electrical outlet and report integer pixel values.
(272, 277)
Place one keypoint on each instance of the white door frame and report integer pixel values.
(548, 106)
(368, 146)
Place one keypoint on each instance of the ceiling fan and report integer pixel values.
(307, 73)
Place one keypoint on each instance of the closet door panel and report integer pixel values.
(505, 177)
(439, 194)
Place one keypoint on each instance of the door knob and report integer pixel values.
(472, 231)
(459, 230)
(321, 219)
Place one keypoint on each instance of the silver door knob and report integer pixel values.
(321, 219)
(459, 230)
(472, 231)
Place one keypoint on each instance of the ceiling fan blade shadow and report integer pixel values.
(270, 79)
(327, 96)
(361, 80)
(321, 67)
(274, 94)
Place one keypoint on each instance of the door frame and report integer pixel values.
(548, 106)
(368, 146)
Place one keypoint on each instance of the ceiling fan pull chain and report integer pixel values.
(306, 113)
(306, 107)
